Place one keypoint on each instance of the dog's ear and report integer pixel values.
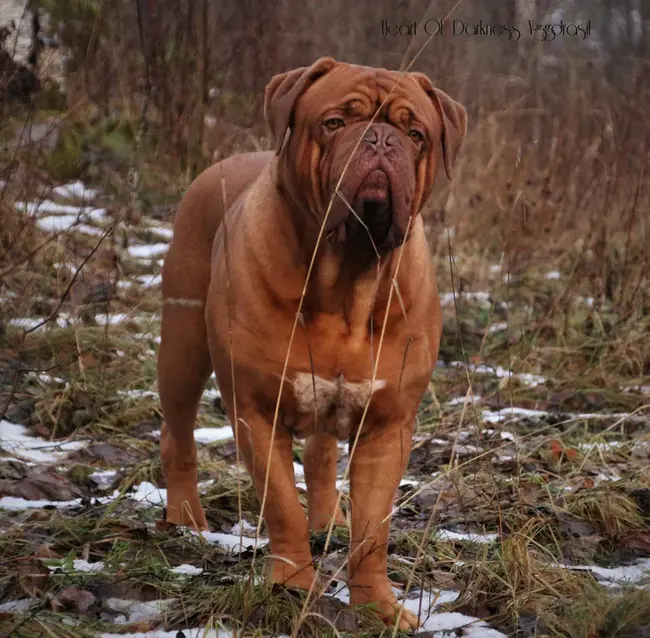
(282, 93)
(454, 120)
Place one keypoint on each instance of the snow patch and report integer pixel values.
(145, 494)
(643, 389)
(447, 624)
(15, 440)
(448, 535)
(524, 413)
(111, 320)
(75, 190)
(243, 526)
(498, 327)
(137, 394)
(483, 298)
(16, 503)
(89, 230)
(147, 251)
(78, 565)
(51, 208)
(160, 229)
(103, 479)
(17, 606)
(150, 280)
(148, 493)
(212, 435)
(468, 449)
(505, 436)
(187, 570)
(526, 378)
(635, 574)
(211, 394)
(422, 602)
(55, 224)
(473, 398)
(136, 610)
(511, 413)
(231, 542)
(600, 445)
(188, 633)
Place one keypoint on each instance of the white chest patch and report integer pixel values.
(321, 395)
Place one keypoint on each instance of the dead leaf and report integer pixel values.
(444, 580)
(575, 527)
(163, 526)
(140, 627)
(32, 577)
(640, 540)
(581, 549)
(571, 453)
(561, 397)
(86, 362)
(529, 492)
(125, 589)
(339, 614)
(556, 448)
(106, 454)
(12, 471)
(642, 499)
(73, 599)
(40, 483)
(45, 551)
(40, 515)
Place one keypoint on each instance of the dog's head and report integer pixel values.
(368, 140)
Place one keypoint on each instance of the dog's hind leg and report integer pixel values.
(184, 363)
(183, 368)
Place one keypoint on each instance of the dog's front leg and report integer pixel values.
(321, 456)
(376, 470)
(283, 513)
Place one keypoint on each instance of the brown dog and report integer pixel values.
(232, 290)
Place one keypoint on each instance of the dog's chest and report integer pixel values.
(330, 405)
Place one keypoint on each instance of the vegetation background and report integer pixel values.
(542, 248)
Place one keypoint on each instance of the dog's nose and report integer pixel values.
(380, 137)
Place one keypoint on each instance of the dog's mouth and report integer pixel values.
(371, 215)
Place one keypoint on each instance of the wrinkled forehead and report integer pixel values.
(347, 84)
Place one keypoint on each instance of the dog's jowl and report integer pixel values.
(357, 152)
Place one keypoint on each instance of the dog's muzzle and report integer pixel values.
(373, 207)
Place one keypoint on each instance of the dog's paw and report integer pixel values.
(392, 613)
(381, 601)
(185, 510)
(404, 618)
(295, 574)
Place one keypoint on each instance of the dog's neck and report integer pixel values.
(337, 288)
(342, 282)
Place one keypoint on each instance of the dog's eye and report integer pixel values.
(416, 136)
(332, 123)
